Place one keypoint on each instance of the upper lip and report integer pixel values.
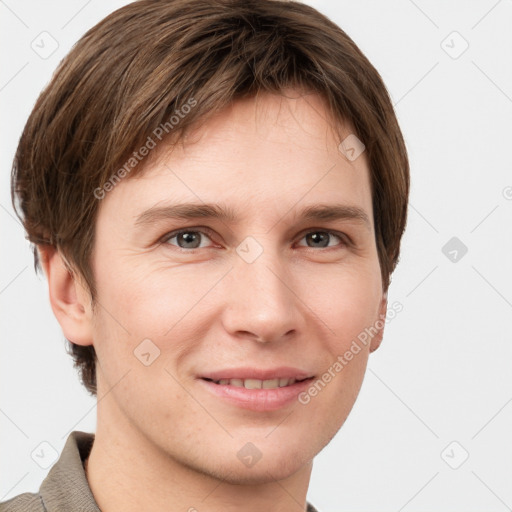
(282, 372)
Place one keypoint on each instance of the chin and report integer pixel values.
(274, 461)
(276, 467)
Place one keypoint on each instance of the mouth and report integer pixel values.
(280, 382)
(258, 390)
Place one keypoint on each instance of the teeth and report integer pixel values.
(269, 384)
(257, 383)
(253, 383)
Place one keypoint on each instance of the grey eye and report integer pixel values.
(320, 238)
(187, 239)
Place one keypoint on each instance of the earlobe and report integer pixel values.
(69, 298)
(380, 324)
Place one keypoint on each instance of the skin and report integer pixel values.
(163, 442)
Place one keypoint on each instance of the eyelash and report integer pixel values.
(345, 240)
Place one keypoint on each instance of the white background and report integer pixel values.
(443, 372)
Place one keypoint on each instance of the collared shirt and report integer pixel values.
(65, 489)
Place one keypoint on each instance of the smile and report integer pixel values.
(257, 383)
(257, 389)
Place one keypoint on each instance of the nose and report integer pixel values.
(260, 302)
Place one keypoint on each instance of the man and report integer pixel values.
(216, 191)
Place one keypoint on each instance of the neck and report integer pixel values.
(126, 471)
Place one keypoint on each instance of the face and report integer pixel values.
(206, 313)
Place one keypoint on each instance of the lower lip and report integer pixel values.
(257, 399)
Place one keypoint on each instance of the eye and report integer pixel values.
(322, 239)
(198, 239)
(187, 239)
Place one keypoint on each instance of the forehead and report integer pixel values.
(260, 156)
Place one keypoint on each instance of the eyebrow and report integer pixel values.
(190, 211)
(185, 211)
(336, 212)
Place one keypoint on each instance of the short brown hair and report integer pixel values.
(130, 73)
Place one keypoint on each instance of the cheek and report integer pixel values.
(137, 296)
(162, 302)
(346, 300)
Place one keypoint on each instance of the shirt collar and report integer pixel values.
(66, 486)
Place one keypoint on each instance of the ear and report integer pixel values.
(383, 308)
(69, 298)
